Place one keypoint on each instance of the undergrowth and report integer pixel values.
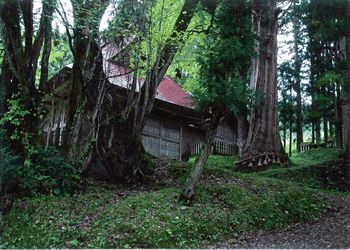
(318, 168)
(97, 218)
(154, 219)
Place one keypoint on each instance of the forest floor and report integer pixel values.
(331, 231)
(297, 207)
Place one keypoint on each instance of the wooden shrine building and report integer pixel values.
(172, 129)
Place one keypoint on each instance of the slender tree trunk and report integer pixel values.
(263, 145)
(188, 192)
(331, 130)
(312, 132)
(297, 86)
(9, 86)
(346, 106)
(284, 134)
(338, 118)
(318, 131)
(290, 138)
(325, 129)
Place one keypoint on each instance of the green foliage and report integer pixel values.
(329, 78)
(47, 173)
(148, 25)
(37, 171)
(224, 59)
(15, 116)
(60, 55)
(15, 121)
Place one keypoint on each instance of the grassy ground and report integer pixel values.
(227, 203)
(318, 168)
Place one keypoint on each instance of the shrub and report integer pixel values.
(46, 173)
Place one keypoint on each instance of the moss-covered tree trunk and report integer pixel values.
(263, 146)
(100, 124)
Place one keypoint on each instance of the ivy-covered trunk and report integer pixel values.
(99, 123)
(86, 80)
(22, 46)
(263, 146)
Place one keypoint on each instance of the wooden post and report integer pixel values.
(180, 143)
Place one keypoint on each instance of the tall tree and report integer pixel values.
(224, 61)
(324, 31)
(286, 101)
(263, 145)
(23, 45)
(346, 111)
(100, 125)
(84, 84)
(297, 81)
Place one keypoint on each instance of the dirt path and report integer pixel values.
(332, 231)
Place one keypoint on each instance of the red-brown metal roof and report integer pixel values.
(118, 74)
(172, 92)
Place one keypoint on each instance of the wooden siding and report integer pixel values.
(218, 147)
(225, 142)
(225, 133)
(58, 124)
(162, 139)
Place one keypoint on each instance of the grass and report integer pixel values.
(246, 202)
(315, 168)
(316, 156)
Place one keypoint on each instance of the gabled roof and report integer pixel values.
(122, 76)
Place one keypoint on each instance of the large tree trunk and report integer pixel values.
(124, 156)
(101, 124)
(188, 192)
(263, 146)
(86, 81)
(242, 132)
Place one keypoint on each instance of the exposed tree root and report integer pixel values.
(260, 161)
